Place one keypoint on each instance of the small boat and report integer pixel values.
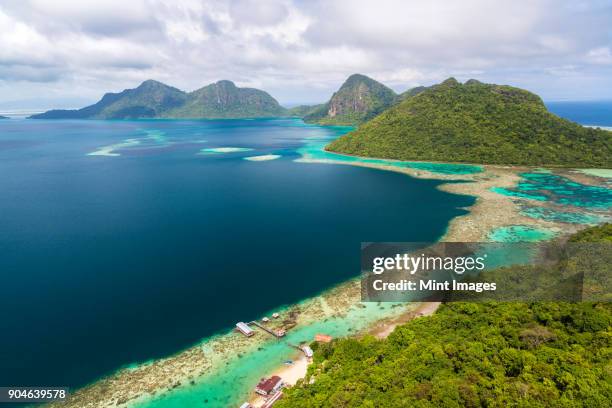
(288, 362)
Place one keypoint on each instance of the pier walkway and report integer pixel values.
(277, 334)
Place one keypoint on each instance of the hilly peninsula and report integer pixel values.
(153, 99)
(479, 354)
(477, 123)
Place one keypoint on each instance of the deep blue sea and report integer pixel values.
(595, 113)
(125, 241)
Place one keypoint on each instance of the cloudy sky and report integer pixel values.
(65, 53)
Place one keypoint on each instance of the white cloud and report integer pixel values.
(601, 55)
(300, 51)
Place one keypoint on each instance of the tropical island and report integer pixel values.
(153, 99)
(477, 123)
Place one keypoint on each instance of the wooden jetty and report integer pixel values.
(278, 333)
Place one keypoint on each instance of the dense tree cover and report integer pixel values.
(495, 354)
(471, 355)
(360, 98)
(601, 233)
(477, 123)
(153, 99)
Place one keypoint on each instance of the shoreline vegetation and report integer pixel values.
(136, 386)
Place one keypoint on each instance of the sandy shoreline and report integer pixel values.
(290, 375)
(490, 211)
(385, 328)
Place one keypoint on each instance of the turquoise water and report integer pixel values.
(234, 383)
(549, 214)
(518, 194)
(314, 150)
(150, 139)
(543, 186)
(520, 233)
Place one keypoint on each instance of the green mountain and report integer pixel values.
(153, 99)
(492, 354)
(149, 100)
(477, 123)
(225, 100)
(360, 98)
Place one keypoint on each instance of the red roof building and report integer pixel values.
(268, 385)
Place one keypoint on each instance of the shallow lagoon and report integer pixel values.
(548, 214)
(520, 233)
(544, 186)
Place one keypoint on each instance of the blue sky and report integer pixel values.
(67, 53)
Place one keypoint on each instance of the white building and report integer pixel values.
(244, 329)
(307, 351)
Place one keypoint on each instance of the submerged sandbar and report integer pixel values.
(264, 157)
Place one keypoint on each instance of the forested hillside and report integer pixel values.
(496, 354)
(477, 123)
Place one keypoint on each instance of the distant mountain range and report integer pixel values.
(477, 123)
(360, 98)
(153, 99)
(3, 117)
